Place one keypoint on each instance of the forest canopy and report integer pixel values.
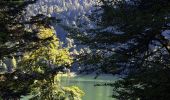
(131, 39)
(31, 56)
(126, 38)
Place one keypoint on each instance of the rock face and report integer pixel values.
(72, 12)
(68, 10)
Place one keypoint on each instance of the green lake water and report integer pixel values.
(87, 82)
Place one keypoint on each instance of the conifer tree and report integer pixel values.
(31, 56)
(138, 31)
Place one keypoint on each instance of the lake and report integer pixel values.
(87, 82)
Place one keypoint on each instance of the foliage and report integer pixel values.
(44, 33)
(138, 31)
(43, 90)
(31, 55)
(49, 54)
(73, 92)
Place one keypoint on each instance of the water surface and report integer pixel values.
(87, 82)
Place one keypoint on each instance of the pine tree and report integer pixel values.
(138, 30)
(32, 54)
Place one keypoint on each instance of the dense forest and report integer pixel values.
(31, 56)
(128, 39)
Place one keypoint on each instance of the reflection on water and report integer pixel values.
(87, 82)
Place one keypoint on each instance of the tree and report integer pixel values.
(31, 56)
(138, 31)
